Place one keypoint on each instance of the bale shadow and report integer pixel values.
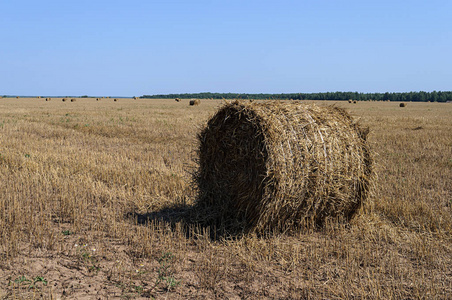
(195, 221)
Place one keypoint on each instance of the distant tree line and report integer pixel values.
(407, 96)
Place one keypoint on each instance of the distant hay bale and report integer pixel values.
(48, 99)
(17, 97)
(39, 97)
(135, 98)
(115, 100)
(177, 100)
(97, 99)
(73, 100)
(195, 102)
(350, 101)
(281, 165)
(354, 101)
(403, 104)
(64, 99)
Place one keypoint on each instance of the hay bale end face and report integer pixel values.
(195, 102)
(282, 165)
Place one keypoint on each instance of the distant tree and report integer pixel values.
(411, 96)
(434, 96)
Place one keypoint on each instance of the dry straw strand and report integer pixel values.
(282, 165)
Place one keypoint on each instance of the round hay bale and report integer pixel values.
(195, 102)
(279, 165)
(17, 97)
(115, 100)
(403, 104)
(72, 100)
(350, 101)
(354, 101)
(64, 99)
(177, 100)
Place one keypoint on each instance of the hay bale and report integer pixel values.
(403, 104)
(115, 100)
(48, 99)
(281, 165)
(350, 101)
(177, 100)
(195, 102)
(72, 100)
(17, 97)
(354, 101)
(64, 99)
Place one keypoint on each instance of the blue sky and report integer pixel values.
(136, 47)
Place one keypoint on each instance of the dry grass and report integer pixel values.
(88, 193)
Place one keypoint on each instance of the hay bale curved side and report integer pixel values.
(282, 165)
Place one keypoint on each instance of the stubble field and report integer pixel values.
(86, 188)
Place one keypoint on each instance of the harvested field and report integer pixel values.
(91, 196)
